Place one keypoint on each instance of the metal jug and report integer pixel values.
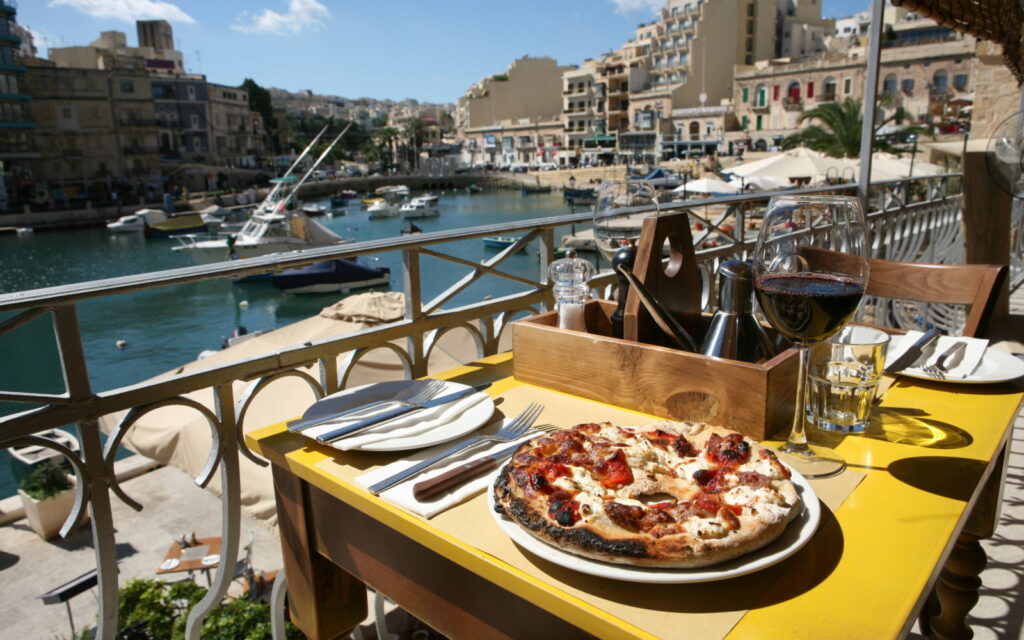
(734, 332)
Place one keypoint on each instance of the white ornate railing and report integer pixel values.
(912, 220)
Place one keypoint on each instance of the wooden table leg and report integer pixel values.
(956, 591)
(324, 601)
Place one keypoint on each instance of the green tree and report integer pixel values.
(260, 102)
(837, 126)
(415, 132)
(387, 139)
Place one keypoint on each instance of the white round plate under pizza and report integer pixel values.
(673, 502)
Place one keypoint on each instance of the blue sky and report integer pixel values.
(430, 50)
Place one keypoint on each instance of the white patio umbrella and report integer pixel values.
(712, 186)
(886, 166)
(796, 163)
(759, 183)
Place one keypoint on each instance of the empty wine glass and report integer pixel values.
(614, 228)
(619, 212)
(810, 270)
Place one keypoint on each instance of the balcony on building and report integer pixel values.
(791, 103)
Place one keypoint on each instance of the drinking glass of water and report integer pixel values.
(842, 377)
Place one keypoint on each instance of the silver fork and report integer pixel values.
(946, 361)
(514, 429)
(428, 392)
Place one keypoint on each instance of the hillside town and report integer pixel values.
(107, 121)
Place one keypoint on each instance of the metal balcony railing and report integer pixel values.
(925, 227)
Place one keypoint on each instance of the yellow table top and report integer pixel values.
(862, 576)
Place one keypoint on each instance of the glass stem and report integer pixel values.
(797, 440)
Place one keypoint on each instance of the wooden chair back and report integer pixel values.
(974, 285)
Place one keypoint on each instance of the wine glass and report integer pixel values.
(810, 270)
(613, 228)
(619, 212)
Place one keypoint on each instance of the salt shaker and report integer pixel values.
(569, 277)
(734, 332)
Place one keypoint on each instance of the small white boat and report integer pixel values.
(137, 221)
(27, 457)
(417, 208)
(428, 198)
(313, 209)
(262, 234)
(396, 190)
(383, 209)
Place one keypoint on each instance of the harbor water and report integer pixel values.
(167, 327)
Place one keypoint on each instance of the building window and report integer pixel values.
(940, 82)
(744, 122)
(195, 121)
(750, 45)
(908, 85)
(746, 94)
(960, 81)
(127, 86)
(775, 92)
(848, 85)
(761, 96)
(889, 85)
(810, 90)
(750, 10)
(750, 27)
(191, 92)
(759, 123)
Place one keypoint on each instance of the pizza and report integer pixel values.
(673, 494)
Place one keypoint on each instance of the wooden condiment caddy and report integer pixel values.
(755, 399)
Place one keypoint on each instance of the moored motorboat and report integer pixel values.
(499, 242)
(331, 276)
(383, 209)
(313, 209)
(394, 189)
(174, 225)
(538, 189)
(25, 458)
(419, 208)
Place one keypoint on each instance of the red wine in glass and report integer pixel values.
(808, 307)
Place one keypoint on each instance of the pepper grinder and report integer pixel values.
(570, 277)
(626, 256)
(734, 332)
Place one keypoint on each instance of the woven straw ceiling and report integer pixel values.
(993, 20)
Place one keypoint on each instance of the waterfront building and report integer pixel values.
(155, 53)
(17, 128)
(234, 129)
(699, 130)
(95, 133)
(931, 82)
(801, 29)
(529, 91)
(182, 116)
(625, 101)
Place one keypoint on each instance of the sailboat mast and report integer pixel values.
(284, 203)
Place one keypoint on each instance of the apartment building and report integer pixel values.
(95, 132)
(621, 106)
(155, 53)
(17, 128)
(183, 117)
(931, 82)
(490, 116)
(234, 129)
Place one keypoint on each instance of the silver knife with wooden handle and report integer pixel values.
(454, 477)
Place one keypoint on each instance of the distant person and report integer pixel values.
(168, 203)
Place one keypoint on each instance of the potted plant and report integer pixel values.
(48, 496)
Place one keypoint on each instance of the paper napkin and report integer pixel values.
(401, 494)
(411, 424)
(972, 357)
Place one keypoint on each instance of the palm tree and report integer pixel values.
(838, 128)
(386, 138)
(415, 131)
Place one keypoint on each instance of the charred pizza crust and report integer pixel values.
(672, 494)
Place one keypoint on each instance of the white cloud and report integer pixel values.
(628, 6)
(128, 10)
(302, 15)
